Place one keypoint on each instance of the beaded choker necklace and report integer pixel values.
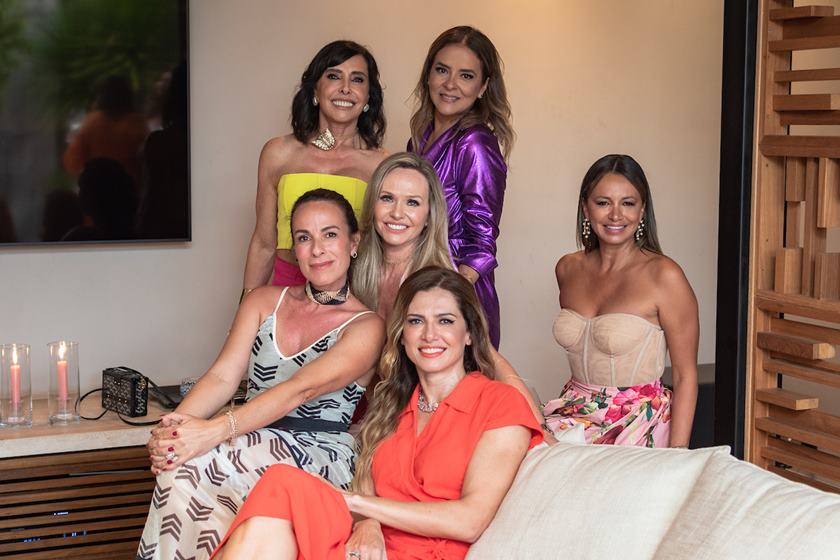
(425, 406)
(324, 297)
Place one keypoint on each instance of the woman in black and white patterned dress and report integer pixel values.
(308, 366)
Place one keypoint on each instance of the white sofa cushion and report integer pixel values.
(739, 511)
(591, 501)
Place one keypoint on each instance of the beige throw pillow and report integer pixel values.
(738, 511)
(591, 501)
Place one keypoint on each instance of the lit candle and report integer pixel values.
(61, 370)
(15, 371)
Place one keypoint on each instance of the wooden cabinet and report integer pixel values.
(75, 492)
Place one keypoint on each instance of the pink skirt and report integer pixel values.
(638, 415)
(287, 274)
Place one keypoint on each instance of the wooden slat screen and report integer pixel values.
(794, 323)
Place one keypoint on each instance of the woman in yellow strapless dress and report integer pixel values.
(624, 305)
(338, 125)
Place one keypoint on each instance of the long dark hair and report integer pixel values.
(630, 169)
(492, 110)
(371, 124)
(398, 373)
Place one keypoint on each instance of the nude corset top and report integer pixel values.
(612, 350)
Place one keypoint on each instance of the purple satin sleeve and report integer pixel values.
(472, 174)
(482, 173)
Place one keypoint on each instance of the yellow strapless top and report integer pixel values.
(293, 185)
(613, 349)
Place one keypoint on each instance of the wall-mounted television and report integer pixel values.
(94, 121)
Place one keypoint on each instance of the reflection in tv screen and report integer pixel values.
(94, 121)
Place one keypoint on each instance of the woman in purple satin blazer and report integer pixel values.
(462, 126)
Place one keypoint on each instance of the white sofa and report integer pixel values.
(606, 502)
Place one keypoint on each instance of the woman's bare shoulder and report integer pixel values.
(569, 263)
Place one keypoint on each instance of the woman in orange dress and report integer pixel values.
(439, 448)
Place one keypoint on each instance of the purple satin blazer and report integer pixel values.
(473, 173)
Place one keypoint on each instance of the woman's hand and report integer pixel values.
(180, 437)
(366, 542)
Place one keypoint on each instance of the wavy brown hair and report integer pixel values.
(398, 373)
(630, 169)
(492, 110)
(432, 247)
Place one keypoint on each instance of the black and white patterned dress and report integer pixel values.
(193, 505)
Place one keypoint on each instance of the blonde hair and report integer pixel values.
(492, 110)
(398, 373)
(432, 246)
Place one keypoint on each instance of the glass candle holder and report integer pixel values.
(64, 381)
(15, 386)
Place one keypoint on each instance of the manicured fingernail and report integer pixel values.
(169, 461)
(174, 434)
(171, 449)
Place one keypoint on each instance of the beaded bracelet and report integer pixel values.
(232, 425)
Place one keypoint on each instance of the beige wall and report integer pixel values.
(585, 78)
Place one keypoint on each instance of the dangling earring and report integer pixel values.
(366, 108)
(585, 230)
(314, 100)
(640, 231)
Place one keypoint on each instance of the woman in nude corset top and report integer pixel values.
(623, 306)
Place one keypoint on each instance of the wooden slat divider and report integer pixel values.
(814, 239)
(806, 102)
(132, 534)
(787, 399)
(788, 271)
(800, 146)
(829, 465)
(796, 346)
(90, 526)
(804, 43)
(785, 240)
(79, 470)
(806, 330)
(77, 504)
(801, 12)
(76, 458)
(827, 276)
(14, 498)
(815, 75)
(828, 193)
(106, 551)
(794, 181)
(827, 26)
(75, 516)
(823, 365)
(90, 481)
(803, 372)
(802, 306)
(825, 118)
(796, 430)
(796, 477)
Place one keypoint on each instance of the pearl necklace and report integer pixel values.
(425, 406)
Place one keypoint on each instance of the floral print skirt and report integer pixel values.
(638, 415)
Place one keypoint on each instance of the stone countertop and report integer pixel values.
(106, 433)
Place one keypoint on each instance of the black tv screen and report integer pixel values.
(94, 121)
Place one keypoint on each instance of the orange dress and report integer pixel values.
(406, 467)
